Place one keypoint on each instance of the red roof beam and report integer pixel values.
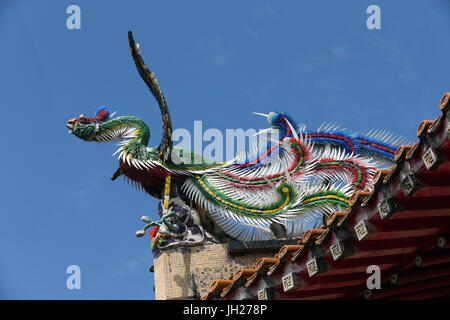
(411, 214)
(425, 294)
(411, 288)
(433, 258)
(420, 274)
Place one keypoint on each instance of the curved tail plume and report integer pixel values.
(166, 145)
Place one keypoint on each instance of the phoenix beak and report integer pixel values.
(70, 124)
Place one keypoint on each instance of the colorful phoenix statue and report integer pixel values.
(294, 178)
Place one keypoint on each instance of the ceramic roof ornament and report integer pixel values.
(295, 177)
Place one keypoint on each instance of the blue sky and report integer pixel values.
(216, 62)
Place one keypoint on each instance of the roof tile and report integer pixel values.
(423, 126)
(273, 267)
(288, 250)
(312, 235)
(413, 150)
(345, 217)
(358, 197)
(264, 264)
(217, 286)
(297, 253)
(242, 274)
(379, 176)
(334, 218)
(401, 152)
(393, 170)
(436, 123)
(445, 102)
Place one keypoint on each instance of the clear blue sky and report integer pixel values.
(217, 61)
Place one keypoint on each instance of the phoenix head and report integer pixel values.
(88, 128)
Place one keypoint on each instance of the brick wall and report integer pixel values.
(187, 272)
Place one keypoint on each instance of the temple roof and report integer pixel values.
(402, 226)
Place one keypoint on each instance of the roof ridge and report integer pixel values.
(312, 237)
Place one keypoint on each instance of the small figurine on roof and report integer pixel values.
(179, 223)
